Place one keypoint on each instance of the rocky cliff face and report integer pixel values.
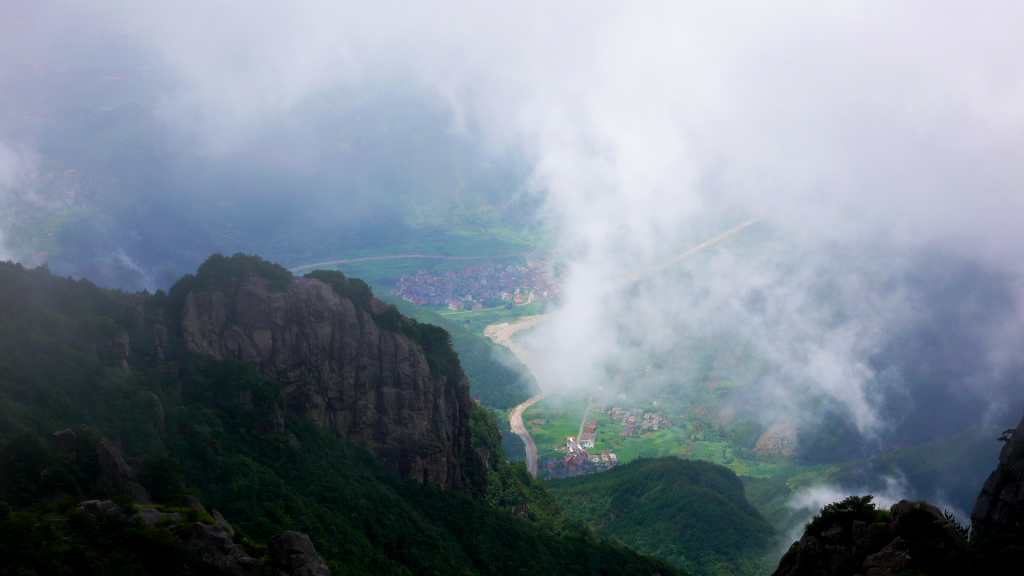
(341, 369)
(1000, 505)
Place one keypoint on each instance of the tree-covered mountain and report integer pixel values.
(240, 433)
(690, 512)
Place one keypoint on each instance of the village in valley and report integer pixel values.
(576, 436)
(479, 287)
(580, 453)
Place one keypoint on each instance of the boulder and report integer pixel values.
(295, 552)
(214, 546)
(116, 477)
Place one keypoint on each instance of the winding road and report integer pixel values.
(502, 334)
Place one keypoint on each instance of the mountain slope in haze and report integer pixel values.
(114, 192)
(229, 431)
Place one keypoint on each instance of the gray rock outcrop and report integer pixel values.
(215, 547)
(64, 441)
(338, 367)
(870, 549)
(1000, 506)
(295, 551)
(115, 476)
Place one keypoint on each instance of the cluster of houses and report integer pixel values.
(578, 460)
(473, 287)
(589, 437)
(636, 421)
(578, 456)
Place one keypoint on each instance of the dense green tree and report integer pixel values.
(692, 513)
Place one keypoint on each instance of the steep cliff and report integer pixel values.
(350, 364)
(1000, 505)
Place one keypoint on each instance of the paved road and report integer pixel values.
(502, 334)
(515, 419)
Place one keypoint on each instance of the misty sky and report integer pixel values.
(880, 144)
(847, 118)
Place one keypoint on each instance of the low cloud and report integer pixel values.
(17, 171)
(809, 501)
(878, 144)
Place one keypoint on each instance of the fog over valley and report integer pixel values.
(874, 305)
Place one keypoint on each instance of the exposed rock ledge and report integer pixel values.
(1000, 505)
(214, 546)
(337, 367)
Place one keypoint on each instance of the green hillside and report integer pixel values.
(692, 513)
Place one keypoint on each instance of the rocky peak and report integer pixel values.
(1000, 506)
(295, 551)
(339, 366)
(851, 537)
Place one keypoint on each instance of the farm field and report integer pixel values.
(550, 421)
(480, 319)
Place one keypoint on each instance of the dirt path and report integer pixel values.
(583, 422)
(698, 248)
(502, 334)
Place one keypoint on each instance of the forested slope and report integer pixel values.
(691, 512)
(80, 357)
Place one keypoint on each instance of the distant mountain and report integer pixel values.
(114, 193)
(263, 403)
